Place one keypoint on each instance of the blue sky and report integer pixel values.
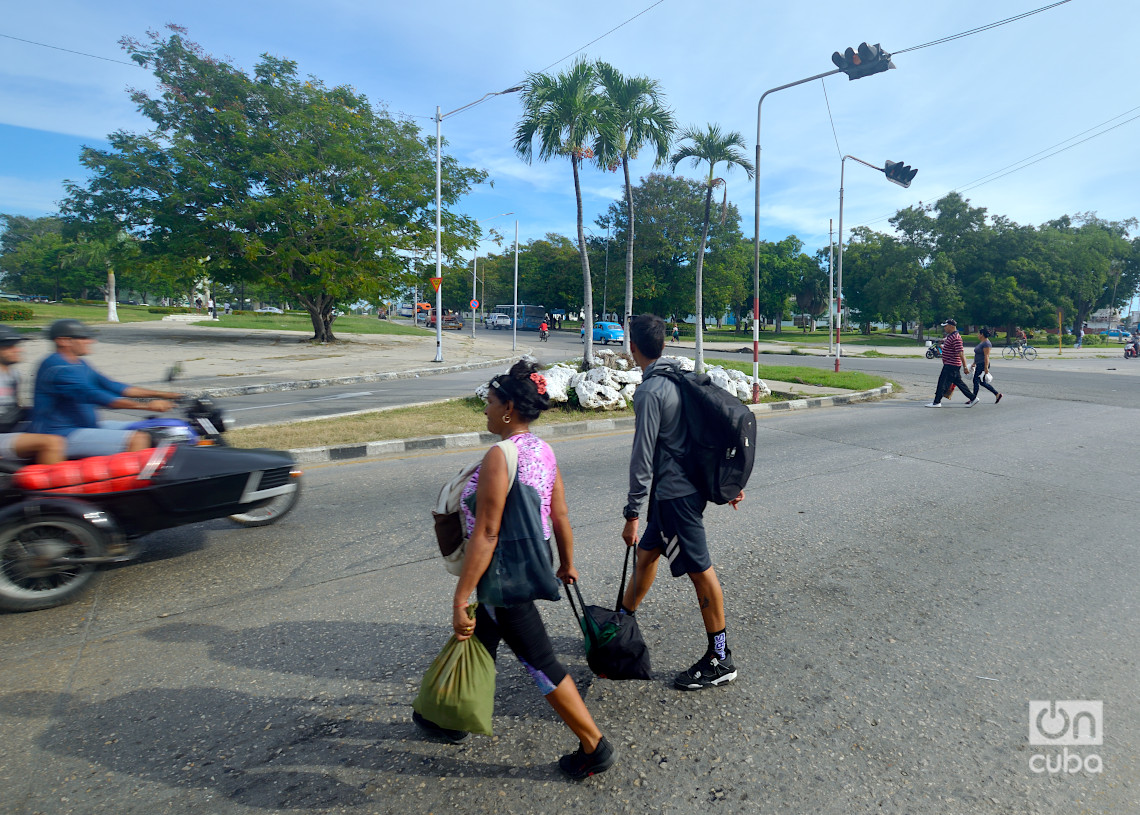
(958, 111)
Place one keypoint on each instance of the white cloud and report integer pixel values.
(19, 195)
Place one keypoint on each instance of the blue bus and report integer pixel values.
(529, 317)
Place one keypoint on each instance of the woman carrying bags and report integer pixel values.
(982, 366)
(514, 400)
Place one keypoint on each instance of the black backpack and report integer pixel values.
(720, 436)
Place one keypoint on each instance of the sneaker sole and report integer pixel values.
(720, 680)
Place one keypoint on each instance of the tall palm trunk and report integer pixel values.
(628, 254)
(587, 283)
(700, 363)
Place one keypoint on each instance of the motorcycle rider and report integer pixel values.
(543, 330)
(68, 391)
(43, 448)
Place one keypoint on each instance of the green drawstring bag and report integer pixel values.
(458, 690)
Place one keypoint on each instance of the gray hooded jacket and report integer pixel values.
(659, 430)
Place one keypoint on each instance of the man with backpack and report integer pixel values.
(663, 493)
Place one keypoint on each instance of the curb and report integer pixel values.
(306, 384)
(457, 441)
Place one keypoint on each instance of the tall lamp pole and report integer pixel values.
(856, 63)
(896, 172)
(439, 117)
(474, 275)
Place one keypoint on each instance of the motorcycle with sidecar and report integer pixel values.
(60, 522)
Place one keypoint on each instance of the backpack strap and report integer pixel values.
(512, 454)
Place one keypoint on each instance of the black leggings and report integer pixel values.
(980, 382)
(521, 628)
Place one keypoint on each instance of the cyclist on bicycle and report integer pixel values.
(543, 330)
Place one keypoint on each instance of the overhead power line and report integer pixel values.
(70, 51)
(982, 28)
(587, 45)
(603, 36)
(1035, 158)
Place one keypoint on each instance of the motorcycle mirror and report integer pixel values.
(174, 372)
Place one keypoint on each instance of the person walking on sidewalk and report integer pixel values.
(514, 400)
(982, 366)
(953, 366)
(660, 492)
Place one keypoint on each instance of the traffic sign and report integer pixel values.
(474, 304)
(435, 281)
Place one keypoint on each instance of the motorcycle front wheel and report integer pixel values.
(929, 354)
(35, 567)
(277, 508)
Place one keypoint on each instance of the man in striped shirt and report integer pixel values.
(953, 365)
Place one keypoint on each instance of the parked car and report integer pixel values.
(1116, 333)
(498, 320)
(449, 321)
(268, 310)
(605, 333)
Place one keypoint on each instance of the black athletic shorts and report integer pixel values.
(678, 527)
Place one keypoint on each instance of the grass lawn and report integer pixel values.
(348, 324)
(844, 380)
(45, 313)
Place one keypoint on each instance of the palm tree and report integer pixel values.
(639, 118)
(565, 112)
(713, 146)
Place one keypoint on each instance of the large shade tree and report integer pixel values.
(271, 178)
(639, 119)
(565, 114)
(711, 146)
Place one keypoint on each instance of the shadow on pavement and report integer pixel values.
(274, 752)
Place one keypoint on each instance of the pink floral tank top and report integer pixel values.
(537, 468)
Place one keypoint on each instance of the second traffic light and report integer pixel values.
(864, 61)
(899, 173)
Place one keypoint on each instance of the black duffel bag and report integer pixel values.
(615, 648)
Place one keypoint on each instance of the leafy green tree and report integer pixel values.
(566, 114)
(666, 219)
(710, 146)
(277, 179)
(1091, 259)
(638, 118)
(811, 292)
(33, 255)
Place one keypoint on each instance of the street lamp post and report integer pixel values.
(856, 64)
(896, 172)
(439, 117)
(474, 275)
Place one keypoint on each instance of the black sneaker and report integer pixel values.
(580, 764)
(707, 672)
(433, 729)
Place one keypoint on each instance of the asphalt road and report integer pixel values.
(901, 583)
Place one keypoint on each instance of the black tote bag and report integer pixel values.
(522, 568)
(615, 648)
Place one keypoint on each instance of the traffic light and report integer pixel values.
(899, 173)
(867, 60)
